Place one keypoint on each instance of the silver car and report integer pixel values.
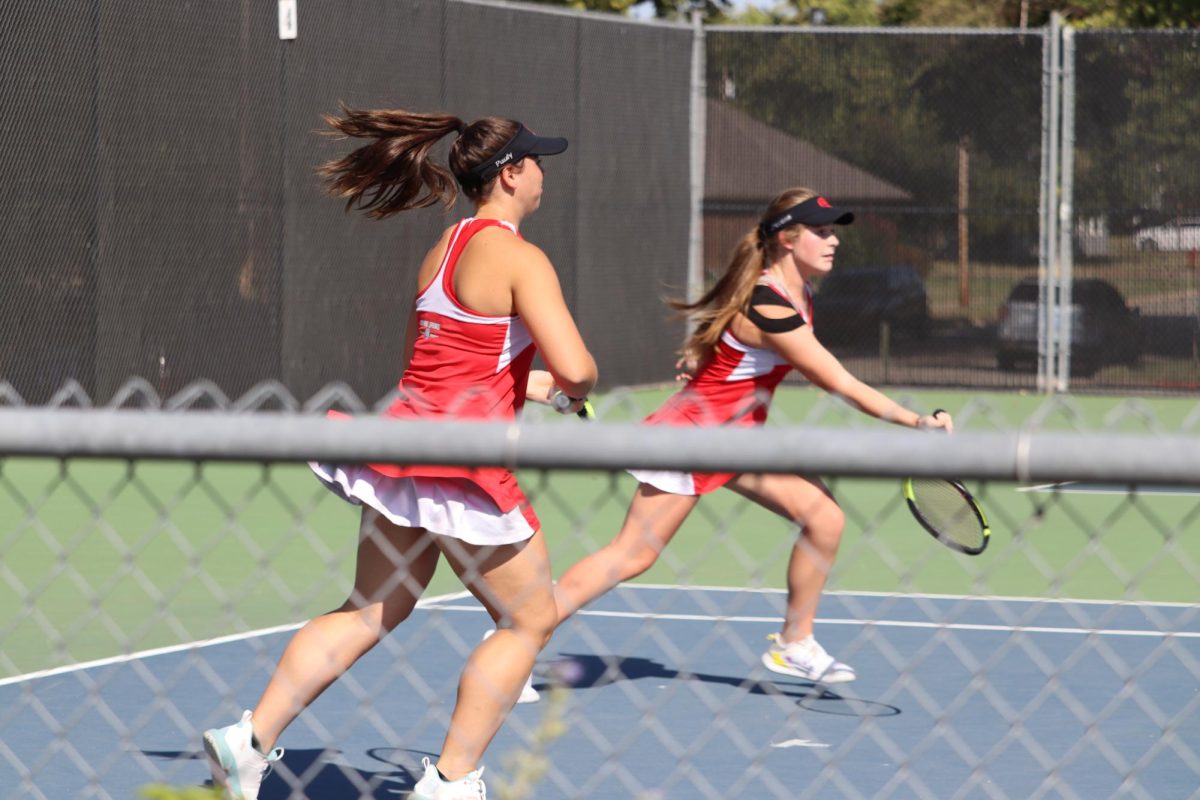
(1104, 330)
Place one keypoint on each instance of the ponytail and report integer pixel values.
(713, 312)
(394, 172)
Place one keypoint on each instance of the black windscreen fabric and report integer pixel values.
(48, 207)
(634, 200)
(164, 222)
(614, 217)
(349, 280)
(614, 213)
(190, 195)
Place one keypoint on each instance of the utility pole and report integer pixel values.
(964, 252)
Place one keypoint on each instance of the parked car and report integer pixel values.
(851, 303)
(1104, 329)
(1179, 234)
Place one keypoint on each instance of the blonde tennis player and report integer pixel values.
(753, 327)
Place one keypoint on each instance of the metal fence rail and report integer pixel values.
(1018, 455)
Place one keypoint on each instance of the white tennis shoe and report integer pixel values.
(432, 787)
(528, 693)
(236, 766)
(805, 659)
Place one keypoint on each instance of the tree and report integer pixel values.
(923, 13)
(712, 11)
(899, 108)
(1132, 14)
(1036, 13)
(1135, 124)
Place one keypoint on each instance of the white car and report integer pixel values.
(1179, 234)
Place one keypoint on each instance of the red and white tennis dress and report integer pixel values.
(464, 365)
(734, 387)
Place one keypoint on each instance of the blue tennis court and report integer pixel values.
(956, 697)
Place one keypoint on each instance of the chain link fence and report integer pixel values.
(181, 302)
(154, 563)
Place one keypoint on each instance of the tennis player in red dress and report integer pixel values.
(465, 365)
(486, 300)
(752, 328)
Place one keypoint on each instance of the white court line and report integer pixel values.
(1082, 487)
(437, 603)
(985, 598)
(799, 743)
(874, 623)
(179, 648)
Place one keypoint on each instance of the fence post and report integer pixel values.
(1066, 211)
(695, 265)
(1048, 206)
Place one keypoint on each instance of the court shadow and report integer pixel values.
(589, 671)
(314, 773)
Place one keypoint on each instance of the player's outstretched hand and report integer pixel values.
(938, 420)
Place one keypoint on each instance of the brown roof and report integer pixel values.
(747, 161)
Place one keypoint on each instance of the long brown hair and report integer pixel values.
(389, 174)
(713, 312)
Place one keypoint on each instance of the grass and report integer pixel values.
(102, 557)
(1139, 276)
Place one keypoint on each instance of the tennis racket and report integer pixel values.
(562, 404)
(949, 512)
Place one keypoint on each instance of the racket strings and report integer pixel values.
(948, 512)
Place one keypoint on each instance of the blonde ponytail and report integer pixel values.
(713, 312)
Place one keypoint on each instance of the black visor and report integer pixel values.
(813, 211)
(525, 143)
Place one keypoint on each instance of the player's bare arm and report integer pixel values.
(806, 353)
(537, 298)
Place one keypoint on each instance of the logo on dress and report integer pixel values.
(429, 328)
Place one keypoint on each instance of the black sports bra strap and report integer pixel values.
(764, 295)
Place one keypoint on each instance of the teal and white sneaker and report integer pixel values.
(805, 659)
(236, 766)
(432, 787)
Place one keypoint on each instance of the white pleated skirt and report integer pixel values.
(453, 507)
(666, 480)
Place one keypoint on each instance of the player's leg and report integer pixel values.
(513, 582)
(394, 565)
(808, 503)
(652, 520)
